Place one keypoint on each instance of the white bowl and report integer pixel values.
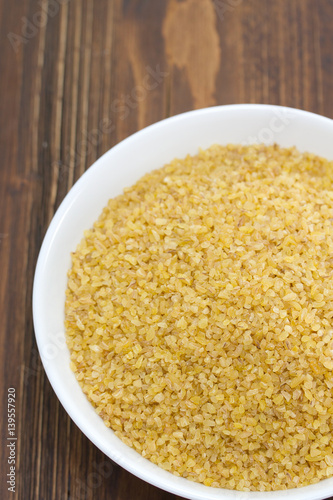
(120, 167)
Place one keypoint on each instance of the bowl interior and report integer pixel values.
(146, 150)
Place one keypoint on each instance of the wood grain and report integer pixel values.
(73, 86)
(196, 56)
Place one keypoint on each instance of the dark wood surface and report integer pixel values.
(73, 83)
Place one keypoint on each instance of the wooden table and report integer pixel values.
(77, 77)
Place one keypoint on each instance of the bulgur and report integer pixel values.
(199, 317)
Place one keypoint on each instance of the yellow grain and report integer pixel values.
(198, 317)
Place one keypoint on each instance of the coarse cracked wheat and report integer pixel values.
(199, 317)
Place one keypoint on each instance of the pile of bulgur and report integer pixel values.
(199, 317)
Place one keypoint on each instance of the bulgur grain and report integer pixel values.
(199, 317)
